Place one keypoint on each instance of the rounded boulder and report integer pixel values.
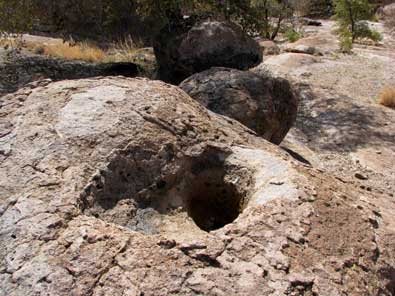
(183, 50)
(265, 104)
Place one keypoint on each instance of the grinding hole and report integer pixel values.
(212, 203)
(203, 192)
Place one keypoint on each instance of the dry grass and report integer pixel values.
(68, 51)
(387, 97)
(124, 51)
(9, 41)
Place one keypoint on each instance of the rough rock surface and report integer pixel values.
(266, 105)
(104, 182)
(17, 70)
(389, 10)
(285, 63)
(182, 50)
(300, 48)
(325, 42)
(311, 22)
(340, 127)
(269, 47)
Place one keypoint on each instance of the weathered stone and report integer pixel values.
(182, 50)
(117, 186)
(266, 105)
(17, 70)
(269, 47)
(389, 10)
(310, 22)
(284, 64)
(300, 48)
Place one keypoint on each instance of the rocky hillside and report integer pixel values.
(129, 186)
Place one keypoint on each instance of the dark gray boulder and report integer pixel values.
(310, 22)
(185, 49)
(265, 104)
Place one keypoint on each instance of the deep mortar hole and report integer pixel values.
(211, 201)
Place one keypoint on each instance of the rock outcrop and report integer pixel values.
(265, 104)
(17, 70)
(282, 65)
(269, 47)
(300, 48)
(389, 10)
(183, 50)
(311, 22)
(118, 186)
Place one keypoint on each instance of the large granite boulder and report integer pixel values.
(118, 186)
(265, 104)
(183, 50)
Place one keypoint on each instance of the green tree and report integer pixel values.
(271, 14)
(352, 17)
(15, 15)
(115, 19)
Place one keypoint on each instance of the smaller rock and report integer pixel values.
(311, 22)
(283, 64)
(182, 50)
(167, 244)
(389, 10)
(300, 48)
(269, 47)
(360, 176)
(265, 104)
(301, 279)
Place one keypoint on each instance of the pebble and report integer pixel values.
(361, 176)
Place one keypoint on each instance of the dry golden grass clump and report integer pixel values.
(10, 41)
(68, 51)
(387, 97)
(122, 51)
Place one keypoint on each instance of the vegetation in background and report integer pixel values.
(302, 7)
(352, 17)
(387, 97)
(15, 16)
(272, 14)
(292, 35)
(115, 19)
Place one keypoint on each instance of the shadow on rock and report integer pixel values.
(338, 123)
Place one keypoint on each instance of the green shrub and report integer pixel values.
(351, 17)
(115, 19)
(346, 42)
(292, 35)
(362, 30)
